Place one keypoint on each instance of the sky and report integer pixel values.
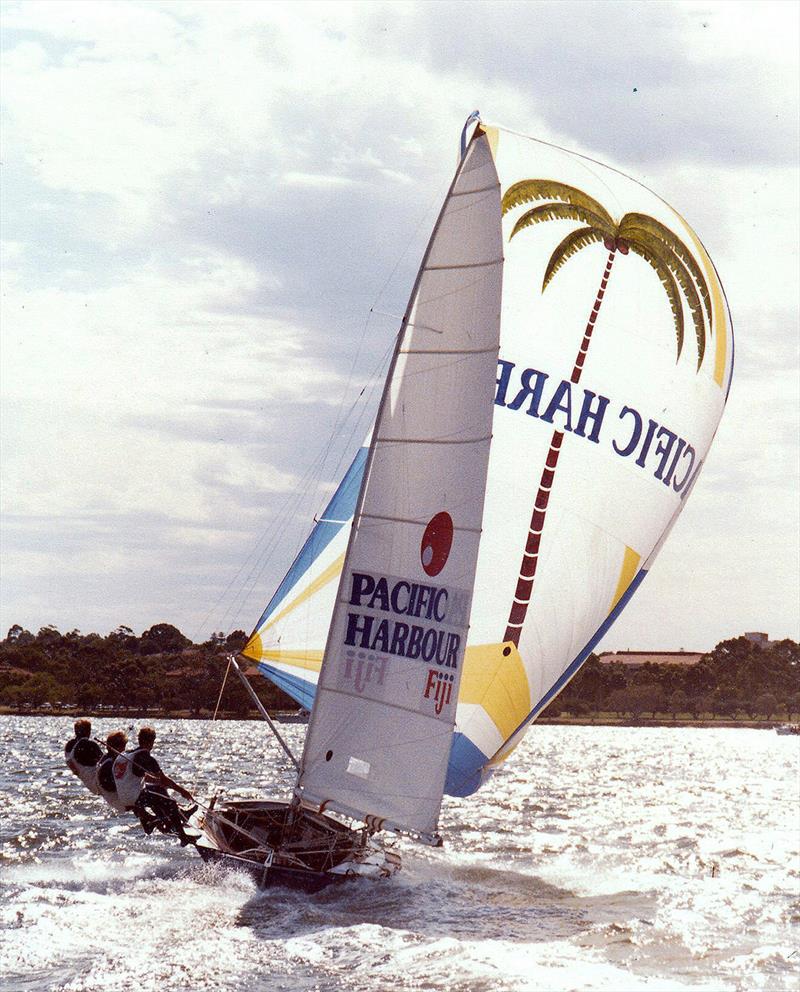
(212, 216)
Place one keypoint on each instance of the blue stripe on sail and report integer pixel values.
(299, 689)
(733, 348)
(466, 769)
(338, 512)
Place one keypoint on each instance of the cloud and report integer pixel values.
(315, 179)
(212, 207)
(645, 82)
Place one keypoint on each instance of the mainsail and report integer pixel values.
(615, 360)
(381, 729)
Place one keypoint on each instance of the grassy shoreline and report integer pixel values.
(291, 716)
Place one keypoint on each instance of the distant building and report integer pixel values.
(635, 659)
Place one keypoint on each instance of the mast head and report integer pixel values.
(474, 116)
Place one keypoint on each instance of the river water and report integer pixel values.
(597, 858)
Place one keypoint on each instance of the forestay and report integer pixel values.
(381, 728)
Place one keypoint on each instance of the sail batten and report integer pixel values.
(471, 192)
(440, 351)
(409, 520)
(433, 440)
(468, 265)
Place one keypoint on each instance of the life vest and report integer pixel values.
(112, 798)
(129, 785)
(86, 773)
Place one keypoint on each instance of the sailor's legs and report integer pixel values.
(164, 811)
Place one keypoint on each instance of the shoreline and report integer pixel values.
(293, 716)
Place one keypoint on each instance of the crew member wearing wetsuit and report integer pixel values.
(115, 745)
(82, 754)
(141, 783)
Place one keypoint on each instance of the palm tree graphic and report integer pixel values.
(680, 276)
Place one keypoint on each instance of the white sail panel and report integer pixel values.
(615, 361)
(381, 728)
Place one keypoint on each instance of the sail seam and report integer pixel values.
(427, 440)
(466, 265)
(431, 351)
(470, 192)
(420, 523)
(422, 327)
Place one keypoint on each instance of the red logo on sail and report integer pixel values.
(437, 540)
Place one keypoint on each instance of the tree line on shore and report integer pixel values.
(738, 679)
(162, 670)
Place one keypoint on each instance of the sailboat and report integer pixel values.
(556, 383)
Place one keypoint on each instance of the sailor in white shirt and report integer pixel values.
(82, 754)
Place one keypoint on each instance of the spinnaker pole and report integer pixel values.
(260, 707)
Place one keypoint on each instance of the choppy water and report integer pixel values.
(598, 858)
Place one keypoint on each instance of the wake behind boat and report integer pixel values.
(556, 383)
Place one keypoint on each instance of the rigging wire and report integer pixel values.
(239, 590)
(262, 550)
(222, 689)
(301, 495)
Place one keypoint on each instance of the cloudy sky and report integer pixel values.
(213, 214)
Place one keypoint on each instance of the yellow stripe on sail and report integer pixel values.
(499, 683)
(309, 660)
(254, 649)
(718, 309)
(330, 573)
(630, 565)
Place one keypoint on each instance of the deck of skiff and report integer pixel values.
(271, 838)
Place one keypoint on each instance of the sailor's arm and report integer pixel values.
(165, 781)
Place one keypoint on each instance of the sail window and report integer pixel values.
(355, 766)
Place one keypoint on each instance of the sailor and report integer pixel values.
(115, 745)
(143, 786)
(81, 754)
